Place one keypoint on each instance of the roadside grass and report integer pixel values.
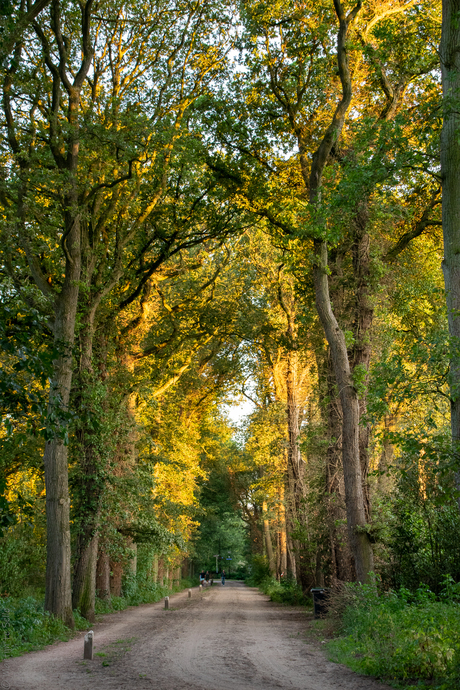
(410, 640)
(25, 626)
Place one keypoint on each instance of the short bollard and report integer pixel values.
(189, 593)
(201, 589)
(88, 646)
(166, 603)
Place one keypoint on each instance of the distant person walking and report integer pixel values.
(207, 576)
(201, 577)
(223, 577)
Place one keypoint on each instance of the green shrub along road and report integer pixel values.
(284, 592)
(25, 626)
(412, 639)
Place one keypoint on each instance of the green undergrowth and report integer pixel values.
(136, 592)
(284, 592)
(411, 640)
(25, 625)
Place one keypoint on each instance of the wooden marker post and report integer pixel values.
(88, 646)
(166, 603)
(201, 589)
(189, 593)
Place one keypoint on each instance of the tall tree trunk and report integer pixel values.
(355, 500)
(278, 555)
(58, 592)
(116, 576)
(103, 576)
(178, 576)
(84, 581)
(58, 587)
(450, 173)
(89, 486)
(386, 456)
(356, 513)
(296, 464)
(268, 540)
(283, 537)
(161, 572)
(255, 533)
(363, 318)
(292, 564)
(341, 568)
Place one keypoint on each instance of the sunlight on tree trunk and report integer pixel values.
(450, 171)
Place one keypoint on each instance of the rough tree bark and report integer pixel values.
(341, 561)
(450, 173)
(283, 537)
(295, 466)
(89, 485)
(363, 314)
(354, 497)
(155, 568)
(58, 587)
(355, 500)
(84, 580)
(268, 540)
(116, 575)
(103, 576)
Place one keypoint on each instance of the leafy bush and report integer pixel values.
(24, 625)
(138, 590)
(110, 605)
(405, 636)
(424, 530)
(259, 570)
(285, 592)
(22, 561)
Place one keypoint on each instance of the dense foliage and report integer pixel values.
(404, 636)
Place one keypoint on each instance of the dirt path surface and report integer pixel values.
(232, 638)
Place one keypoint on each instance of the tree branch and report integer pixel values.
(419, 228)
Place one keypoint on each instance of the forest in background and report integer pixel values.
(208, 202)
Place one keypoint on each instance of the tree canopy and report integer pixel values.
(208, 202)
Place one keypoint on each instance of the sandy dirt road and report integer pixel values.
(232, 638)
